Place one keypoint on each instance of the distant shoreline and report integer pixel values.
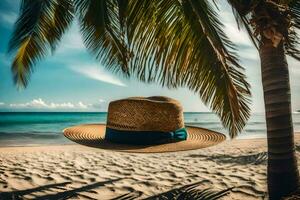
(103, 112)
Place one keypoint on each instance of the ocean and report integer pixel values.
(41, 128)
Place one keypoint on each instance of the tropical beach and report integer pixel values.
(34, 166)
(160, 99)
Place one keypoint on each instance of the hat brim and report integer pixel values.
(92, 135)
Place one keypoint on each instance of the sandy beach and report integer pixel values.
(78, 172)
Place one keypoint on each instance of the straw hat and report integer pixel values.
(144, 125)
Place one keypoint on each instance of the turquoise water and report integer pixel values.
(46, 128)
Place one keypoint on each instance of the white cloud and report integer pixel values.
(237, 36)
(294, 66)
(248, 53)
(41, 104)
(82, 105)
(8, 18)
(96, 73)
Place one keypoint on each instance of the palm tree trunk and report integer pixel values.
(283, 175)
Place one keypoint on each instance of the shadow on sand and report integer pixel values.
(185, 192)
(254, 159)
(19, 195)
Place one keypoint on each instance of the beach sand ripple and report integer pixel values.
(77, 172)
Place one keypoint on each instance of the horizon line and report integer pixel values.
(37, 111)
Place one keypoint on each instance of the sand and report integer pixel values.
(78, 172)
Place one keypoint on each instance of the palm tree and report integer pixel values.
(181, 43)
(272, 27)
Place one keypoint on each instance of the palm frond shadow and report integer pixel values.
(16, 195)
(128, 196)
(19, 195)
(187, 192)
(297, 147)
(254, 159)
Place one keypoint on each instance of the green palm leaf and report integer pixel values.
(173, 48)
(292, 45)
(62, 17)
(243, 12)
(40, 25)
(100, 22)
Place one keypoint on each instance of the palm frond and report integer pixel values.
(39, 26)
(288, 12)
(100, 22)
(128, 196)
(191, 192)
(292, 45)
(177, 44)
(62, 17)
(123, 7)
(242, 14)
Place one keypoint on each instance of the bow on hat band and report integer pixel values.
(144, 137)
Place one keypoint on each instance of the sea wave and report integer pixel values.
(29, 122)
(255, 130)
(32, 134)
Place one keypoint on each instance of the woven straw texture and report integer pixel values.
(145, 114)
(93, 135)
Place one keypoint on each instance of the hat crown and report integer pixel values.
(155, 113)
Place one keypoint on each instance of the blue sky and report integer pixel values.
(72, 80)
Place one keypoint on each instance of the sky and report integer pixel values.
(72, 80)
